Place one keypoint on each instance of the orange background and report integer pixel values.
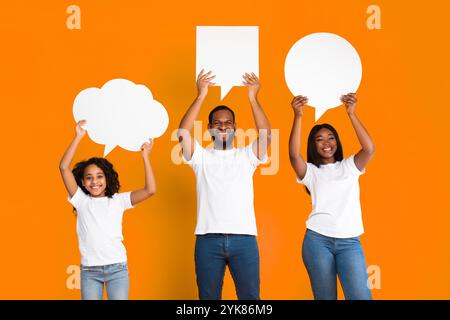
(402, 101)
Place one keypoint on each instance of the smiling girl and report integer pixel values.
(93, 188)
(331, 246)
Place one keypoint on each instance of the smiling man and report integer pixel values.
(226, 227)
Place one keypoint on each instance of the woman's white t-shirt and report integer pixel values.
(336, 208)
(225, 189)
(99, 227)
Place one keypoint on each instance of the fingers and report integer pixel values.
(351, 97)
(81, 126)
(252, 76)
(209, 79)
(203, 75)
(205, 78)
(300, 97)
(200, 74)
(147, 145)
(299, 101)
(250, 79)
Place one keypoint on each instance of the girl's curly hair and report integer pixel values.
(112, 178)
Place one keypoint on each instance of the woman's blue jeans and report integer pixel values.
(95, 278)
(213, 252)
(326, 258)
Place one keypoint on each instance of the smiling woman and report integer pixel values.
(331, 245)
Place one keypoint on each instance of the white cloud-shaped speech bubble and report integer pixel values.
(121, 113)
(228, 52)
(322, 66)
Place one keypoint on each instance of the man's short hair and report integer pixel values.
(218, 108)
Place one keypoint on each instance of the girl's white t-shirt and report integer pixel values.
(99, 227)
(225, 189)
(336, 208)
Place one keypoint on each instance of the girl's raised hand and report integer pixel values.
(297, 104)
(147, 148)
(349, 100)
(79, 129)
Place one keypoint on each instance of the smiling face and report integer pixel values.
(326, 145)
(94, 180)
(222, 128)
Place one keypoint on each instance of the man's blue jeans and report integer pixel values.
(114, 277)
(213, 252)
(325, 258)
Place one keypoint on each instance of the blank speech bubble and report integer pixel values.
(121, 113)
(228, 52)
(322, 66)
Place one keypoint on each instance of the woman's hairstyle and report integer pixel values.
(111, 176)
(312, 154)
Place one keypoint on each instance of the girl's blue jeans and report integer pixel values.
(95, 278)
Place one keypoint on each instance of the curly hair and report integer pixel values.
(112, 177)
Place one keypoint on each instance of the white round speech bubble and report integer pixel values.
(121, 113)
(322, 66)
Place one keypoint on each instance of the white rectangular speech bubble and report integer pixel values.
(228, 52)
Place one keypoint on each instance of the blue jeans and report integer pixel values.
(114, 276)
(325, 258)
(213, 252)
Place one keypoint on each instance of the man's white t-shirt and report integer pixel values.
(99, 227)
(225, 189)
(336, 208)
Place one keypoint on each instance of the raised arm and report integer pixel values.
(64, 165)
(297, 161)
(251, 81)
(187, 123)
(150, 184)
(367, 147)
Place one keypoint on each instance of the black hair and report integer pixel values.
(312, 154)
(218, 108)
(111, 176)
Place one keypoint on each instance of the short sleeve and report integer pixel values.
(77, 198)
(251, 156)
(124, 199)
(196, 156)
(350, 164)
(307, 179)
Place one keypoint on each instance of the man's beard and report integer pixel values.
(224, 144)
